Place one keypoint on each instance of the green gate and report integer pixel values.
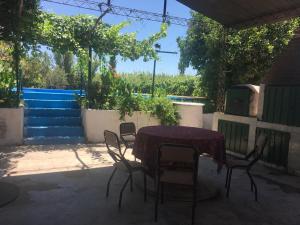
(236, 135)
(282, 105)
(277, 149)
(237, 101)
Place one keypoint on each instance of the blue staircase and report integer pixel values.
(52, 116)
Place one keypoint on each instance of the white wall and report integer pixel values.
(11, 126)
(208, 120)
(191, 113)
(96, 121)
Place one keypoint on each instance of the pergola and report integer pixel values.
(241, 14)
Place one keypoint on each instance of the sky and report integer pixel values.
(168, 63)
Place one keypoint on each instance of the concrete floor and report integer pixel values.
(65, 185)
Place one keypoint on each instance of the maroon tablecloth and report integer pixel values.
(149, 138)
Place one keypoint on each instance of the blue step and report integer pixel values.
(49, 96)
(50, 90)
(53, 131)
(52, 121)
(41, 112)
(52, 116)
(34, 103)
(53, 140)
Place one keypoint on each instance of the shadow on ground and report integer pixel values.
(76, 196)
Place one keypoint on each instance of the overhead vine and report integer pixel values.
(72, 33)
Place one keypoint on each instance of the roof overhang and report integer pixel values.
(245, 13)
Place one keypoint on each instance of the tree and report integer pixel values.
(56, 78)
(36, 66)
(18, 25)
(247, 54)
(8, 98)
(18, 20)
(65, 62)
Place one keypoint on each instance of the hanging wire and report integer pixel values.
(123, 11)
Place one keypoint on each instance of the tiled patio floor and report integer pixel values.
(65, 185)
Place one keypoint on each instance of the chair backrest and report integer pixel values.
(178, 158)
(113, 145)
(260, 145)
(127, 129)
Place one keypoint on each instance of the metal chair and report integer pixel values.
(176, 164)
(121, 163)
(246, 163)
(127, 135)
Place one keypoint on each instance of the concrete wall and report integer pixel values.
(208, 120)
(11, 126)
(191, 113)
(294, 147)
(96, 121)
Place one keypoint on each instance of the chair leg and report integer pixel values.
(125, 151)
(194, 204)
(162, 193)
(227, 174)
(156, 200)
(145, 187)
(229, 181)
(109, 180)
(253, 184)
(121, 192)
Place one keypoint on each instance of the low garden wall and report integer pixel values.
(96, 121)
(293, 151)
(191, 113)
(208, 120)
(11, 126)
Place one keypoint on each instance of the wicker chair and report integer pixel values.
(176, 164)
(121, 163)
(247, 163)
(127, 135)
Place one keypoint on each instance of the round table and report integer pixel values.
(148, 140)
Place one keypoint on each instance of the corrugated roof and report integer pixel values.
(245, 13)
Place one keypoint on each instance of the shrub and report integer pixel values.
(163, 109)
(108, 92)
(8, 97)
(102, 93)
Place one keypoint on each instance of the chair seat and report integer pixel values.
(177, 177)
(135, 166)
(130, 144)
(128, 138)
(236, 163)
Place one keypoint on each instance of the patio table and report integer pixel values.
(206, 141)
(148, 140)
